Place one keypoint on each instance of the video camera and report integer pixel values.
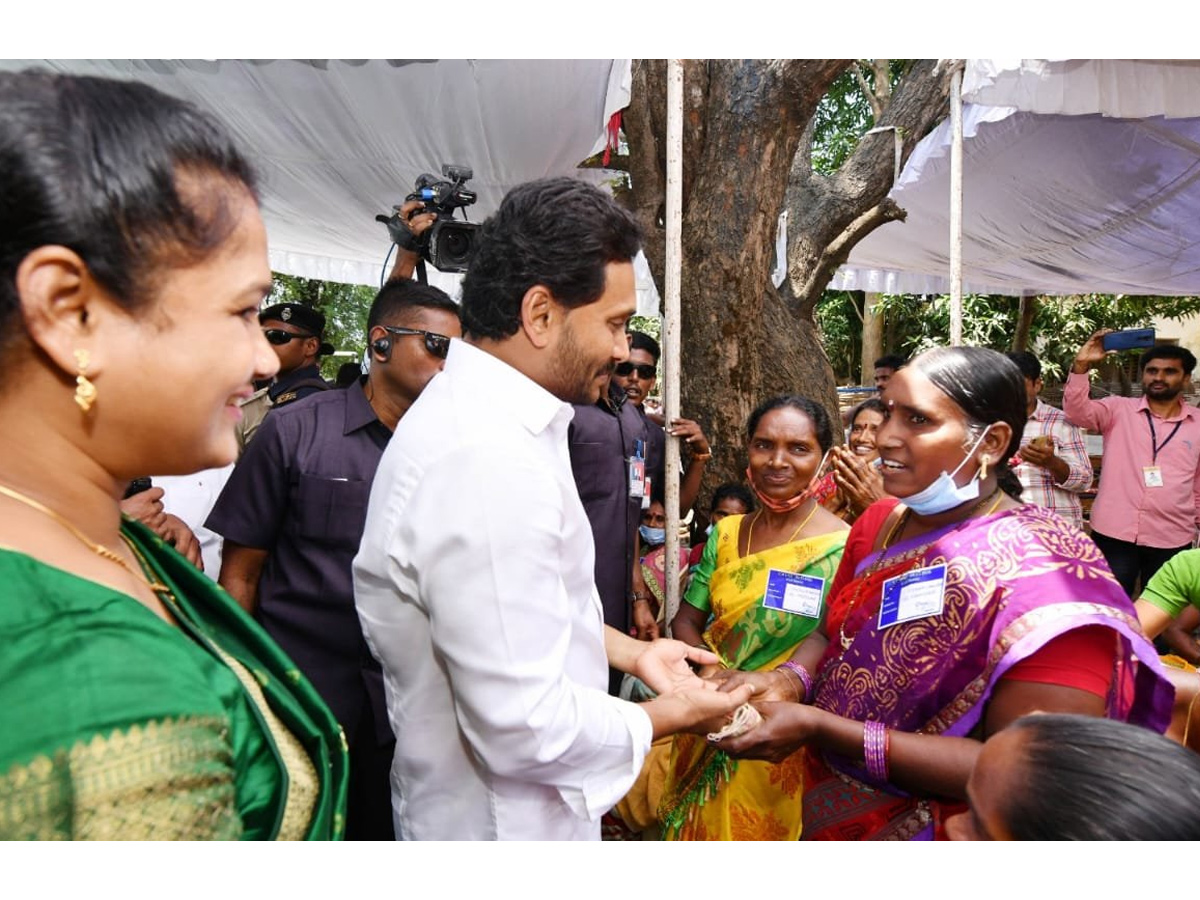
(448, 245)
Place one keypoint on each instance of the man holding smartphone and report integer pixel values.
(1147, 506)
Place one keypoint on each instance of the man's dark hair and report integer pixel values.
(556, 232)
(890, 361)
(397, 297)
(104, 167)
(1030, 365)
(348, 374)
(1170, 351)
(640, 341)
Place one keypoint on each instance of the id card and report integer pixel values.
(793, 592)
(1152, 476)
(637, 477)
(916, 594)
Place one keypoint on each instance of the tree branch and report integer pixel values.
(808, 290)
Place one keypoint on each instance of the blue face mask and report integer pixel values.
(943, 494)
(652, 536)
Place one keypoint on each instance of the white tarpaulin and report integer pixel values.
(338, 141)
(1054, 203)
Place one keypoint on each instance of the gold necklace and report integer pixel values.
(99, 549)
(750, 531)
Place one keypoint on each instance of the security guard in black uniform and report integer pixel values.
(295, 333)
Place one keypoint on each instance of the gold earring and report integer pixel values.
(85, 391)
(983, 466)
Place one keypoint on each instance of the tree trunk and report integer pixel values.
(744, 121)
(872, 338)
(1025, 313)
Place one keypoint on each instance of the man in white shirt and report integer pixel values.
(474, 580)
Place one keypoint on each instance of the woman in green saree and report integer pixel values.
(758, 592)
(137, 700)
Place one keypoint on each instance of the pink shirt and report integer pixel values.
(1125, 508)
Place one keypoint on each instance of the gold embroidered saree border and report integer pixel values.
(167, 779)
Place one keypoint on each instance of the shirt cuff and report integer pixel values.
(601, 790)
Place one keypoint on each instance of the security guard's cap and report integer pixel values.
(295, 314)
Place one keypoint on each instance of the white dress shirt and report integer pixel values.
(474, 583)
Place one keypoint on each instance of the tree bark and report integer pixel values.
(872, 338)
(744, 123)
(1026, 310)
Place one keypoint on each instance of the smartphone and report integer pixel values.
(1129, 339)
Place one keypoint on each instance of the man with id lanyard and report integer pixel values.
(1147, 505)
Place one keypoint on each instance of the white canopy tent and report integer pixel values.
(1079, 176)
(338, 141)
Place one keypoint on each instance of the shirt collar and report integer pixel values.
(359, 413)
(528, 402)
(284, 383)
(1186, 410)
(1041, 410)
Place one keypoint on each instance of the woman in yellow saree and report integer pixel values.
(758, 592)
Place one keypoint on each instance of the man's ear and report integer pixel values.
(61, 304)
(541, 315)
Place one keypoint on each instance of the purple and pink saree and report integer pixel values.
(1014, 581)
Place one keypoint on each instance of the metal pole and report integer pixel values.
(956, 167)
(674, 257)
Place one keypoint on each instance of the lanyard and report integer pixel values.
(1154, 444)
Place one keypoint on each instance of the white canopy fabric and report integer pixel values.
(338, 141)
(1053, 203)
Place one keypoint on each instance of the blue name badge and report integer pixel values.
(792, 592)
(914, 595)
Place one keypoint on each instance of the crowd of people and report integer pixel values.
(440, 605)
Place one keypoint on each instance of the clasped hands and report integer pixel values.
(687, 702)
(786, 725)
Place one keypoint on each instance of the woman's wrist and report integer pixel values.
(801, 676)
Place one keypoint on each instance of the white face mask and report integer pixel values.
(943, 494)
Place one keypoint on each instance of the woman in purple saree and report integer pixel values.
(952, 614)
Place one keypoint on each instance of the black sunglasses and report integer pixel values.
(279, 337)
(437, 344)
(645, 370)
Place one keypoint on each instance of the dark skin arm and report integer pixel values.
(924, 764)
(406, 260)
(241, 567)
(1178, 635)
(779, 683)
(689, 486)
(688, 626)
(645, 628)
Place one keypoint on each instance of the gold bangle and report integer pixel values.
(647, 600)
(707, 455)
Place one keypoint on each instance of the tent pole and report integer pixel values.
(956, 171)
(671, 354)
